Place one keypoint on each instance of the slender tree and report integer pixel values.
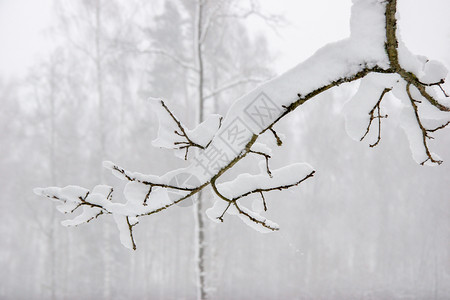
(204, 66)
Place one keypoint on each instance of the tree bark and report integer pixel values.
(198, 207)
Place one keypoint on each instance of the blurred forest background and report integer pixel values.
(372, 224)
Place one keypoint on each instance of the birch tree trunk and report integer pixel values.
(107, 255)
(198, 207)
(52, 221)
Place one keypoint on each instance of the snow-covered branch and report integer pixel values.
(173, 134)
(149, 180)
(74, 197)
(372, 54)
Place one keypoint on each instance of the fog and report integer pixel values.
(371, 223)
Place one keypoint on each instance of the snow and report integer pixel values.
(408, 121)
(71, 197)
(166, 128)
(257, 205)
(205, 131)
(216, 210)
(245, 183)
(263, 148)
(124, 231)
(135, 194)
(67, 207)
(256, 226)
(167, 137)
(414, 134)
(135, 175)
(357, 110)
(87, 214)
(409, 61)
(433, 71)
(69, 193)
(364, 48)
(219, 207)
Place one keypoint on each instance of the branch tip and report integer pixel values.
(378, 117)
(279, 141)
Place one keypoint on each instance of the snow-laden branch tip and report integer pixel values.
(173, 134)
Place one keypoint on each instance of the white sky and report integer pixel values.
(22, 23)
(312, 24)
(424, 26)
(21, 38)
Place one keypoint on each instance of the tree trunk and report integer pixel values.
(198, 207)
(52, 221)
(107, 255)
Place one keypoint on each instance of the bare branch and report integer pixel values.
(378, 116)
(221, 216)
(148, 194)
(424, 131)
(439, 127)
(266, 156)
(439, 84)
(275, 188)
(264, 201)
(191, 193)
(132, 177)
(83, 201)
(130, 227)
(279, 141)
(185, 144)
(411, 78)
(263, 221)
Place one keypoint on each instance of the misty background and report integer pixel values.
(74, 76)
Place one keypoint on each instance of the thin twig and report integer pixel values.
(132, 178)
(439, 84)
(276, 188)
(264, 201)
(279, 141)
(130, 227)
(379, 117)
(147, 195)
(221, 216)
(262, 223)
(266, 156)
(185, 144)
(422, 129)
